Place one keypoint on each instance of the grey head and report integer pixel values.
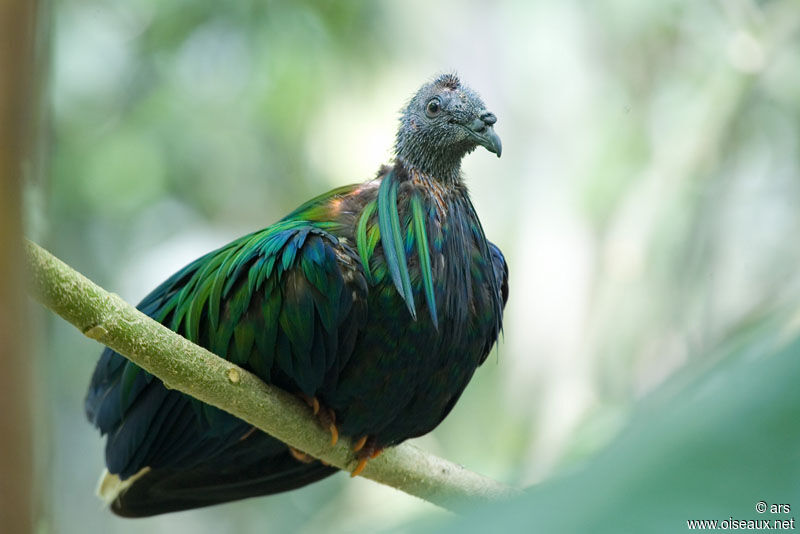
(442, 123)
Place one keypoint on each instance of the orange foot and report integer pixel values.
(366, 449)
(325, 416)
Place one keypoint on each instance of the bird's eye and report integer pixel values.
(433, 108)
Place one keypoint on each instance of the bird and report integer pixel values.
(375, 303)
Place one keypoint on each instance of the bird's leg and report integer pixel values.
(325, 416)
(366, 449)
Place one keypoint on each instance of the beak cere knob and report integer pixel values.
(488, 117)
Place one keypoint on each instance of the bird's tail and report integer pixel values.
(110, 486)
(158, 491)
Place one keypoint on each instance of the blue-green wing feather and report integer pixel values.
(274, 301)
(362, 239)
(392, 240)
(423, 251)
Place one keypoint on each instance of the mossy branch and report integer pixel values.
(193, 370)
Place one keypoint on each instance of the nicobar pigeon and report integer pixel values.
(374, 302)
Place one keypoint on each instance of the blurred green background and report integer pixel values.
(647, 201)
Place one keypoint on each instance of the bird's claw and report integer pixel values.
(366, 450)
(325, 416)
(301, 456)
(248, 433)
(358, 445)
(312, 402)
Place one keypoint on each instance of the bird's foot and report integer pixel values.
(366, 449)
(325, 416)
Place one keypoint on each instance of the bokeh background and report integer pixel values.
(647, 200)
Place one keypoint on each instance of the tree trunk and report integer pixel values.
(17, 118)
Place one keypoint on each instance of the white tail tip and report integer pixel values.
(110, 486)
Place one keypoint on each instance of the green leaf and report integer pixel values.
(711, 443)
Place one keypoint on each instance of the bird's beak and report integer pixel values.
(490, 141)
(482, 130)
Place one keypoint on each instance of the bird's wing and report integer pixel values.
(500, 271)
(286, 302)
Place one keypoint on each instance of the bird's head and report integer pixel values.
(442, 123)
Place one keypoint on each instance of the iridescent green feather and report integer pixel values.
(392, 240)
(244, 335)
(362, 242)
(373, 237)
(318, 208)
(421, 237)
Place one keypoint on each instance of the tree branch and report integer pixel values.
(193, 370)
